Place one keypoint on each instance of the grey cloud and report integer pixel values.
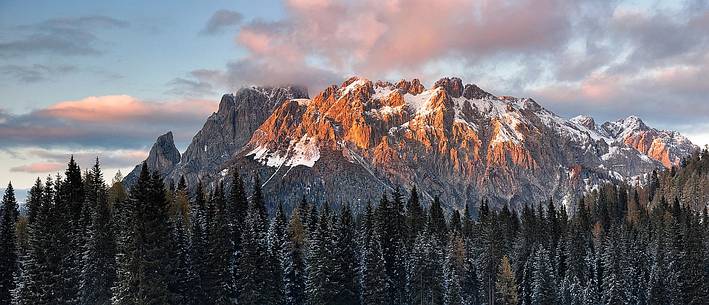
(199, 83)
(258, 72)
(221, 20)
(108, 159)
(60, 36)
(36, 72)
(46, 129)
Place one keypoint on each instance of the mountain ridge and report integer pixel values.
(453, 140)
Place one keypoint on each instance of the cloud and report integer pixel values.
(377, 38)
(124, 108)
(114, 121)
(36, 72)
(38, 167)
(60, 36)
(198, 83)
(55, 160)
(320, 42)
(222, 20)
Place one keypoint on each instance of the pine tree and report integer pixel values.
(414, 217)
(187, 285)
(320, 266)
(99, 270)
(488, 251)
(454, 269)
(8, 245)
(437, 221)
(467, 222)
(391, 227)
(36, 281)
(238, 206)
(374, 284)
(68, 229)
(505, 285)
(144, 271)
(425, 271)
(346, 266)
(471, 282)
(198, 244)
(255, 280)
(543, 282)
(293, 261)
(219, 282)
(276, 242)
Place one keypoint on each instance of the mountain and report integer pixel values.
(224, 133)
(163, 157)
(352, 142)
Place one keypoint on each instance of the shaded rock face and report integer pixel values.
(163, 157)
(226, 131)
(354, 141)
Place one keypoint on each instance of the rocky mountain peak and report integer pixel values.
(472, 91)
(585, 121)
(413, 87)
(454, 140)
(227, 103)
(162, 158)
(633, 123)
(452, 85)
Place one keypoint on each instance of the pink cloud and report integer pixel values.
(117, 108)
(105, 121)
(39, 167)
(378, 37)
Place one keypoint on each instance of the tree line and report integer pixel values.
(84, 242)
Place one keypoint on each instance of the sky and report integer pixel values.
(106, 78)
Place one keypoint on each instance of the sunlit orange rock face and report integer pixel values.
(411, 135)
(667, 147)
(649, 143)
(356, 140)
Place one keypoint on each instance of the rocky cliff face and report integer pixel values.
(163, 157)
(354, 141)
(227, 130)
(668, 147)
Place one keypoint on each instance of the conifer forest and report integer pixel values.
(79, 239)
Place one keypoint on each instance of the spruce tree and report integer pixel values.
(99, 270)
(36, 281)
(425, 271)
(506, 287)
(391, 227)
(68, 235)
(8, 244)
(255, 278)
(543, 281)
(437, 221)
(488, 251)
(454, 269)
(319, 286)
(414, 217)
(276, 242)
(219, 283)
(198, 244)
(144, 259)
(238, 206)
(293, 261)
(374, 284)
(346, 265)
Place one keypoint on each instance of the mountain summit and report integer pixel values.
(453, 140)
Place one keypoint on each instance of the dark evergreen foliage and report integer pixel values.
(85, 243)
(8, 245)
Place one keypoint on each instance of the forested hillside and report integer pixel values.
(86, 242)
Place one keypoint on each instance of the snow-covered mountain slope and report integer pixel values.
(457, 141)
